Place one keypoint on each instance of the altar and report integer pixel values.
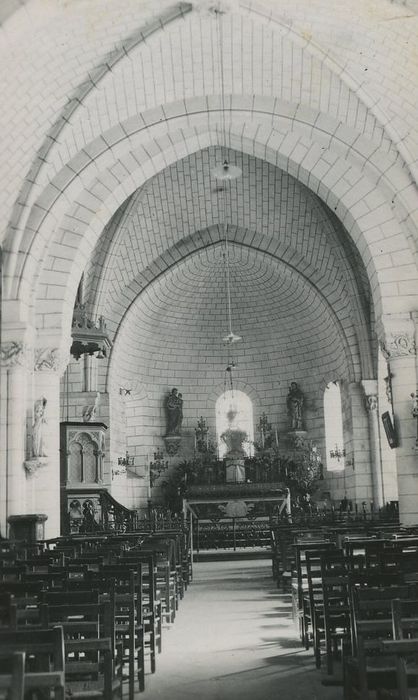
(231, 515)
(235, 471)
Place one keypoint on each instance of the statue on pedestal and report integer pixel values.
(37, 457)
(174, 412)
(174, 420)
(39, 421)
(294, 402)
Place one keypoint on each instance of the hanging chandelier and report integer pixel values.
(225, 173)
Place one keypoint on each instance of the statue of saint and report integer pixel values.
(174, 412)
(39, 421)
(179, 413)
(294, 404)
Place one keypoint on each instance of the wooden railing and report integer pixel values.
(312, 517)
(235, 490)
(95, 510)
(231, 533)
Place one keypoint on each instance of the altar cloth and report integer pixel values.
(235, 473)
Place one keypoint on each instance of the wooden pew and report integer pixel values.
(367, 670)
(336, 616)
(44, 655)
(300, 589)
(12, 678)
(404, 648)
(92, 662)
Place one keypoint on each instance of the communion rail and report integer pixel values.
(231, 533)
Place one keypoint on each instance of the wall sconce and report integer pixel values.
(116, 471)
(127, 461)
(337, 453)
(157, 467)
(123, 464)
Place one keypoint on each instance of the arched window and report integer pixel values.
(334, 435)
(234, 410)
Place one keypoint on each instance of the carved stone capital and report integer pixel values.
(398, 337)
(15, 353)
(11, 354)
(371, 402)
(370, 394)
(50, 360)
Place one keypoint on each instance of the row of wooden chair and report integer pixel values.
(343, 598)
(284, 535)
(102, 601)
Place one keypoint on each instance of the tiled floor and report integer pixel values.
(234, 639)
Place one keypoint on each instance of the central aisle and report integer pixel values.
(234, 639)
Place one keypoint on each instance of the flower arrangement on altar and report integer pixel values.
(298, 470)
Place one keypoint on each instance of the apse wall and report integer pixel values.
(172, 337)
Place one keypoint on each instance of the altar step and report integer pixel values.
(230, 554)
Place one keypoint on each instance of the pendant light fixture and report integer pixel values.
(225, 173)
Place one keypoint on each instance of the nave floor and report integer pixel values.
(234, 639)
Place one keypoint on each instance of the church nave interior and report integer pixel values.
(208, 348)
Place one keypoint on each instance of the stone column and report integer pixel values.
(359, 473)
(90, 373)
(371, 395)
(15, 356)
(50, 363)
(399, 348)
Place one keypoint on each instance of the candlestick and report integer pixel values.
(262, 438)
(276, 437)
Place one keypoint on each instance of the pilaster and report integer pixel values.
(363, 485)
(16, 361)
(398, 343)
(372, 408)
(49, 364)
